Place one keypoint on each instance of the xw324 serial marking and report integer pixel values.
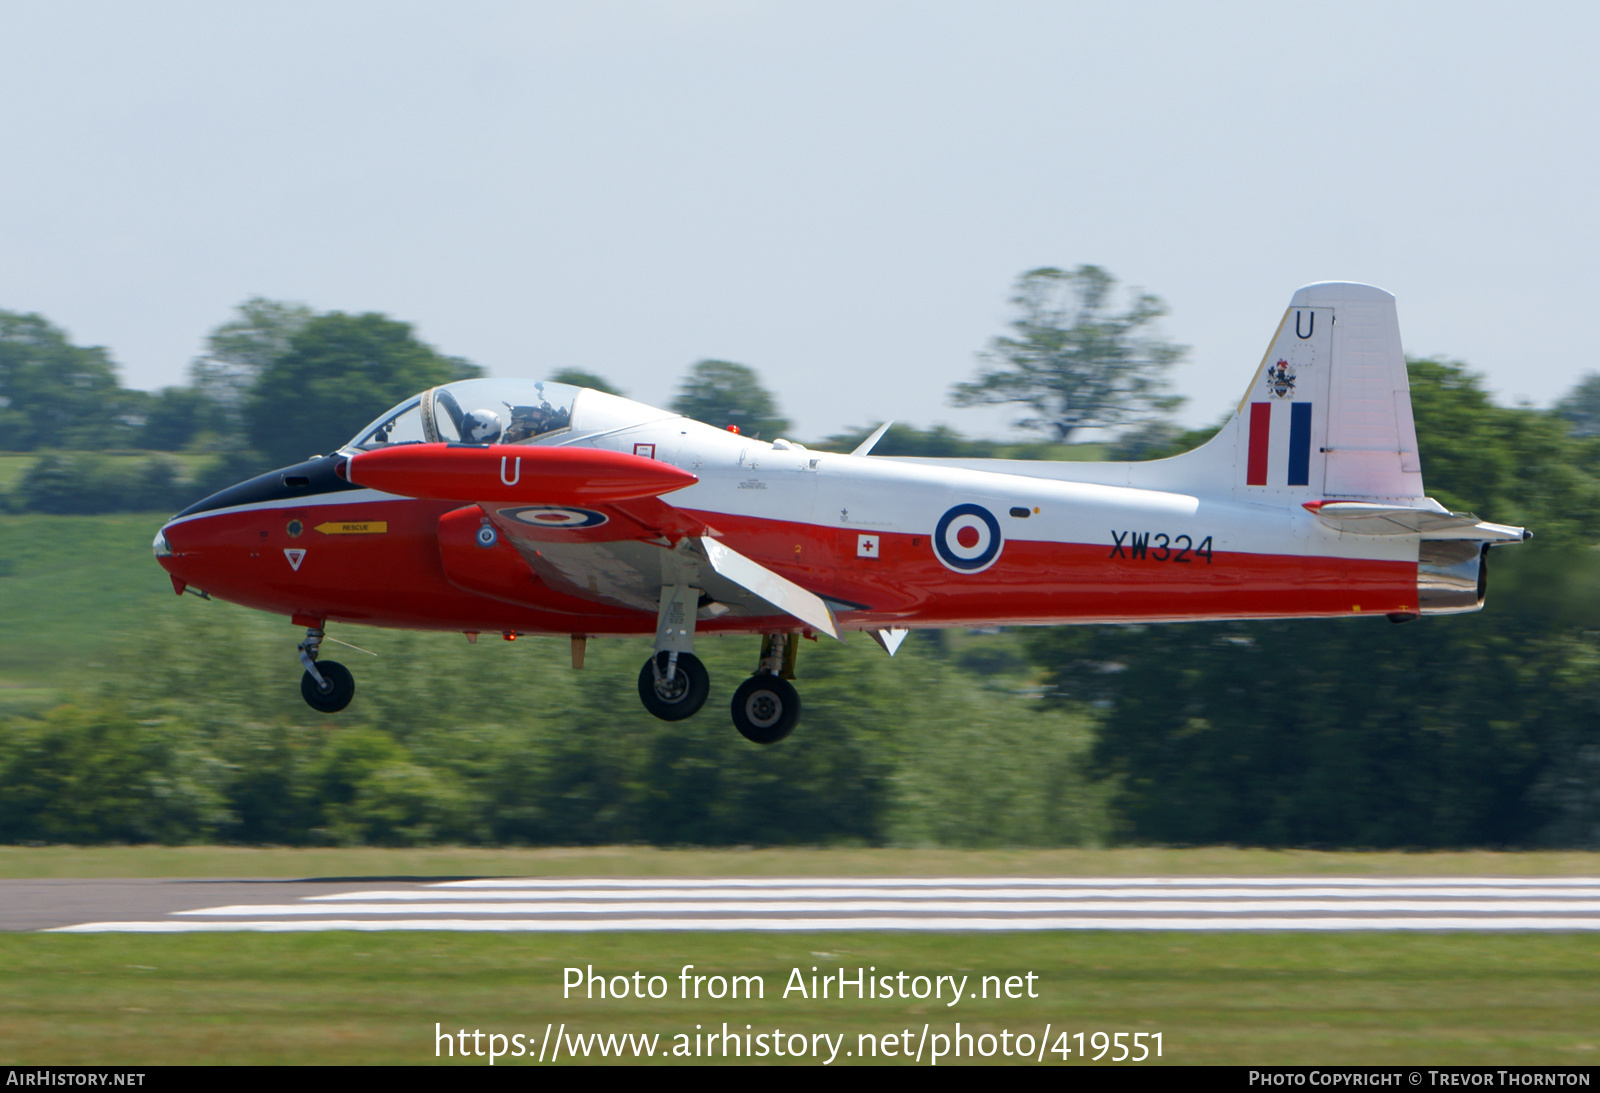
(1158, 547)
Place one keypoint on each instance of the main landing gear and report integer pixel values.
(766, 707)
(673, 684)
(327, 685)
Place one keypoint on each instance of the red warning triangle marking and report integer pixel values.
(295, 556)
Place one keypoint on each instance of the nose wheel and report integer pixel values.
(327, 686)
(335, 691)
(673, 686)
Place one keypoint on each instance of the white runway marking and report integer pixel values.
(865, 906)
(919, 903)
(519, 925)
(915, 897)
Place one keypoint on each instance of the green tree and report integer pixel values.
(339, 372)
(239, 350)
(1512, 466)
(1160, 439)
(54, 394)
(1074, 361)
(1580, 407)
(723, 393)
(943, 442)
(1317, 733)
(902, 439)
(179, 418)
(95, 774)
(579, 378)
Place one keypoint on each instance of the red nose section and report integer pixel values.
(513, 473)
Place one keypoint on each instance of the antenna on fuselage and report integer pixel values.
(877, 434)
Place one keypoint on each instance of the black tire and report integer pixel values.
(765, 708)
(336, 696)
(681, 697)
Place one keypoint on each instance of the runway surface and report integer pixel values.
(809, 903)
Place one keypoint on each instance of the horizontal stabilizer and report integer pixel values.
(514, 473)
(1361, 518)
(779, 591)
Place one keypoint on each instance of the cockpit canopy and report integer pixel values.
(481, 411)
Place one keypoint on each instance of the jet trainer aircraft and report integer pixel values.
(512, 506)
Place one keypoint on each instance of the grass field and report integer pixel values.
(71, 588)
(444, 861)
(13, 465)
(349, 998)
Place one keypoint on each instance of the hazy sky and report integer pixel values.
(839, 194)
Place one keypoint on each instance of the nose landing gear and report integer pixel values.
(327, 686)
(674, 685)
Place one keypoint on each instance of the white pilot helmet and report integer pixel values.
(481, 427)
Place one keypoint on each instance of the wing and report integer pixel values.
(591, 523)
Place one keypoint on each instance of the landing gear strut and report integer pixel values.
(327, 685)
(673, 684)
(766, 707)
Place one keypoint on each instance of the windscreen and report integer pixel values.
(483, 411)
(498, 411)
(401, 424)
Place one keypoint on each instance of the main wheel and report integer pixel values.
(340, 689)
(679, 697)
(765, 708)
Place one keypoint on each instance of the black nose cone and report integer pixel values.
(306, 479)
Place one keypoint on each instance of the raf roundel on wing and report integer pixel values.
(967, 538)
(557, 516)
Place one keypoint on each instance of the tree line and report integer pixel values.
(504, 744)
(279, 381)
(1443, 732)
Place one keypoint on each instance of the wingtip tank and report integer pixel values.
(512, 472)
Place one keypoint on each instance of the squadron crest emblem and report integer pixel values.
(1280, 379)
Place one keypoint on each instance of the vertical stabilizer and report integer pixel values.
(1326, 417)
(1328, 414)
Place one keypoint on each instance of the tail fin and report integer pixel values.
(1329, 411)
(1327, 417)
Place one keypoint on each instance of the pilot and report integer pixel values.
(481, 427)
